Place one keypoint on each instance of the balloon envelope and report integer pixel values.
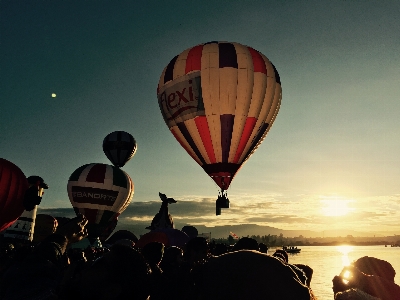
(152, 236)
(119, 147)
(13, 185)
(120, 235)
(168, 236)
(100, 192)
(175, 237)
(219, 100)
(191, 231)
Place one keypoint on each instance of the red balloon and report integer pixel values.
(176, 237)
(167, 236)
(13, 185)
(153, 236)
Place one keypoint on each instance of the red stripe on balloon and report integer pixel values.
(258, 61)
(204, 131)
(97, 173)
(247, 130)
(193, 60)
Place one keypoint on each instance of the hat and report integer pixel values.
(35, 179)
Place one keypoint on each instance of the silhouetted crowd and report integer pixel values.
(199, 270)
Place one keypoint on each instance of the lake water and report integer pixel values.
(328, 261)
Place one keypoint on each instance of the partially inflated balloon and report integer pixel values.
(121, 235)
(176, 237)
(152, 236)
(13, 185)
(219, 100)
(119, 147)
(100, 192)
(191, 231)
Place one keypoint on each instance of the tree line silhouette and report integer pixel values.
(280, 240)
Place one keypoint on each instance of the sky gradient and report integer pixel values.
(330, 160)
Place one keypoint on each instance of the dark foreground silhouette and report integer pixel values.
(198, 270)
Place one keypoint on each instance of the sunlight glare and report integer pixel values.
(345, 250)
(346, 274)
(335, 207)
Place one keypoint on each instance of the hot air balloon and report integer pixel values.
(13, 185)
(219, 100)
(191, 231)
(152, 236)
(100, 192)
(121, 235)
(119, 147)
(168, 236)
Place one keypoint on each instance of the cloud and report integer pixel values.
(277, 219)
(57, 212)
(303, 211)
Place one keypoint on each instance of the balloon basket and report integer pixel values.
(222, 202)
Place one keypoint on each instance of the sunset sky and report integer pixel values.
(330, 161)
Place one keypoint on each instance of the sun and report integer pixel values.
(335, 206)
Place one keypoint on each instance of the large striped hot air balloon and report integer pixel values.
(119, 147)
(100, 192)
(219, 100)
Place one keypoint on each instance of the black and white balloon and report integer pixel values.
(119, 147)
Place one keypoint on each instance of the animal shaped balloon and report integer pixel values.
(163, 218)
(119, 147)
(13, 185)
(100, 192)
(219, 100)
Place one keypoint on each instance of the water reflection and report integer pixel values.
(345, 250)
